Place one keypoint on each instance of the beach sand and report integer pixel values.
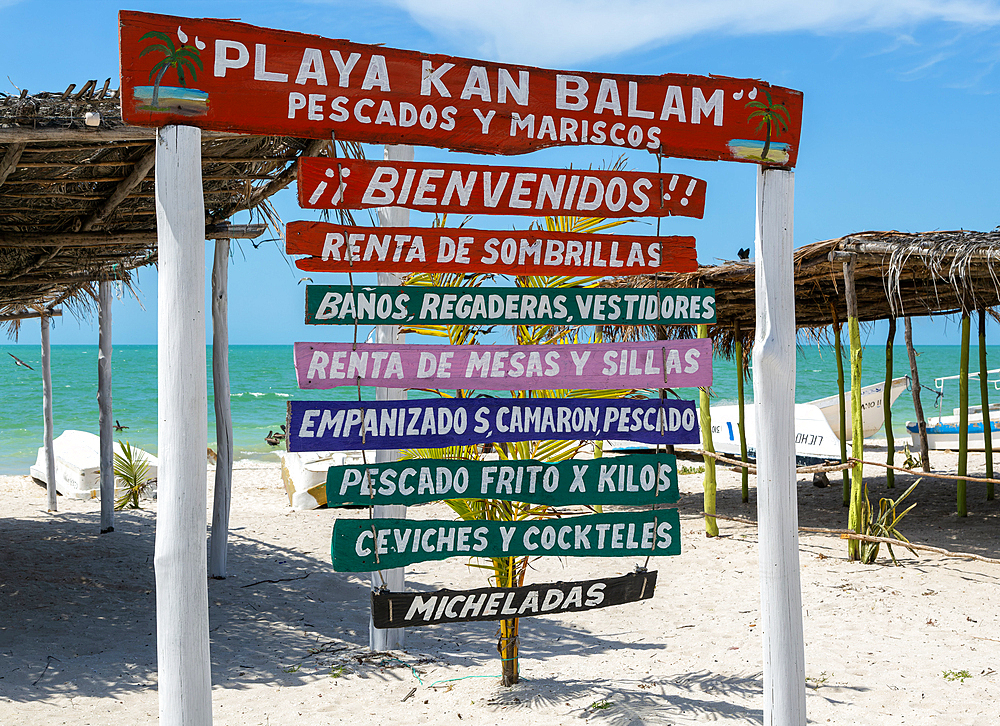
(883, 643)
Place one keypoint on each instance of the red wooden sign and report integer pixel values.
(470, 189)
(336, 248)
(231, 76)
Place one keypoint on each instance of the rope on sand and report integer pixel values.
(848, 534)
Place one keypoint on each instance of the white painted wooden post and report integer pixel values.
(104, 408)
(223, 413)
(395, 579)
(184, 667)
(774, 399)
(50, 453)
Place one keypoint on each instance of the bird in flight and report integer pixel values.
(20, 362)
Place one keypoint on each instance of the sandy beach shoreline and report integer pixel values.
(915, 643)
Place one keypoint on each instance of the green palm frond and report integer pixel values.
(132, 470)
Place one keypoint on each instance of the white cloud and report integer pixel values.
(573, 31)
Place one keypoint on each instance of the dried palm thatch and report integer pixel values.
(896, 274)
(77, 194)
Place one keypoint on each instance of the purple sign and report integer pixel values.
(440, 422)
(596, 366)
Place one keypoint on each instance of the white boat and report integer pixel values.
(942, 431)
(78, 465)
(817, 424)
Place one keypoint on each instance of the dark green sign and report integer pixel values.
(632, 479)
(344, 305)
(360, 545)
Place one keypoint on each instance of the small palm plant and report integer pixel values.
(132, 472)
(883, 524)
(775, 118)
(510, 571)
(185, 56)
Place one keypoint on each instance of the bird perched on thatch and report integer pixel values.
(20, 362)
(744, 253)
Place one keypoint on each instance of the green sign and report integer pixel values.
(344, 305)
(633, 479)
(361, 545)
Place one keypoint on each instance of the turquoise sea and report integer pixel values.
(262, 381)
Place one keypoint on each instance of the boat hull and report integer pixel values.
(942, 433)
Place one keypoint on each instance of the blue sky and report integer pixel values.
(899, 125)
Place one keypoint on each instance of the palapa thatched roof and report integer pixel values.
(76, 194)
(896, 274)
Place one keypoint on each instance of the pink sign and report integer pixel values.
(597, 366)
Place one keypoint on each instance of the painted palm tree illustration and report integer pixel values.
(180, 58)
(774, 117)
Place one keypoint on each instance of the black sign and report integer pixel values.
(408, 609)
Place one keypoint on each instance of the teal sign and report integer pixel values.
(361, 545)
(346, 305)
(634, 479)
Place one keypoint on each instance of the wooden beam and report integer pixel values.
(380, 639)
(9, 161)
(139, 172)
(145, 238)
(27, 316)
(774, 401)
(223, 413)
(47, 425)
(281, 181)
(104, 419)
(179, 562)
(18, 135)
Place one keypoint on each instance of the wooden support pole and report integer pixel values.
(984, 400)
(890, 441)
(10, 158)
(184, 665)
(918, 409)
(841, 404)
(50, 453)
(394, 580)
(857, 428)
(963, 415)
(709, 482)
(774, 406)
(223, 412)
(741, 423)
(104, 416)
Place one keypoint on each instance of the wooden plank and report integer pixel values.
(629, 480)
(476, 189)
(139, 172)
(9, 161)
(306, 86)
(408, 609)
(339, 248)
(141, 237)
(435, 423)
(184, 676)
(344, 305)
(27, 316)
(362, 544)
(593, 366)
